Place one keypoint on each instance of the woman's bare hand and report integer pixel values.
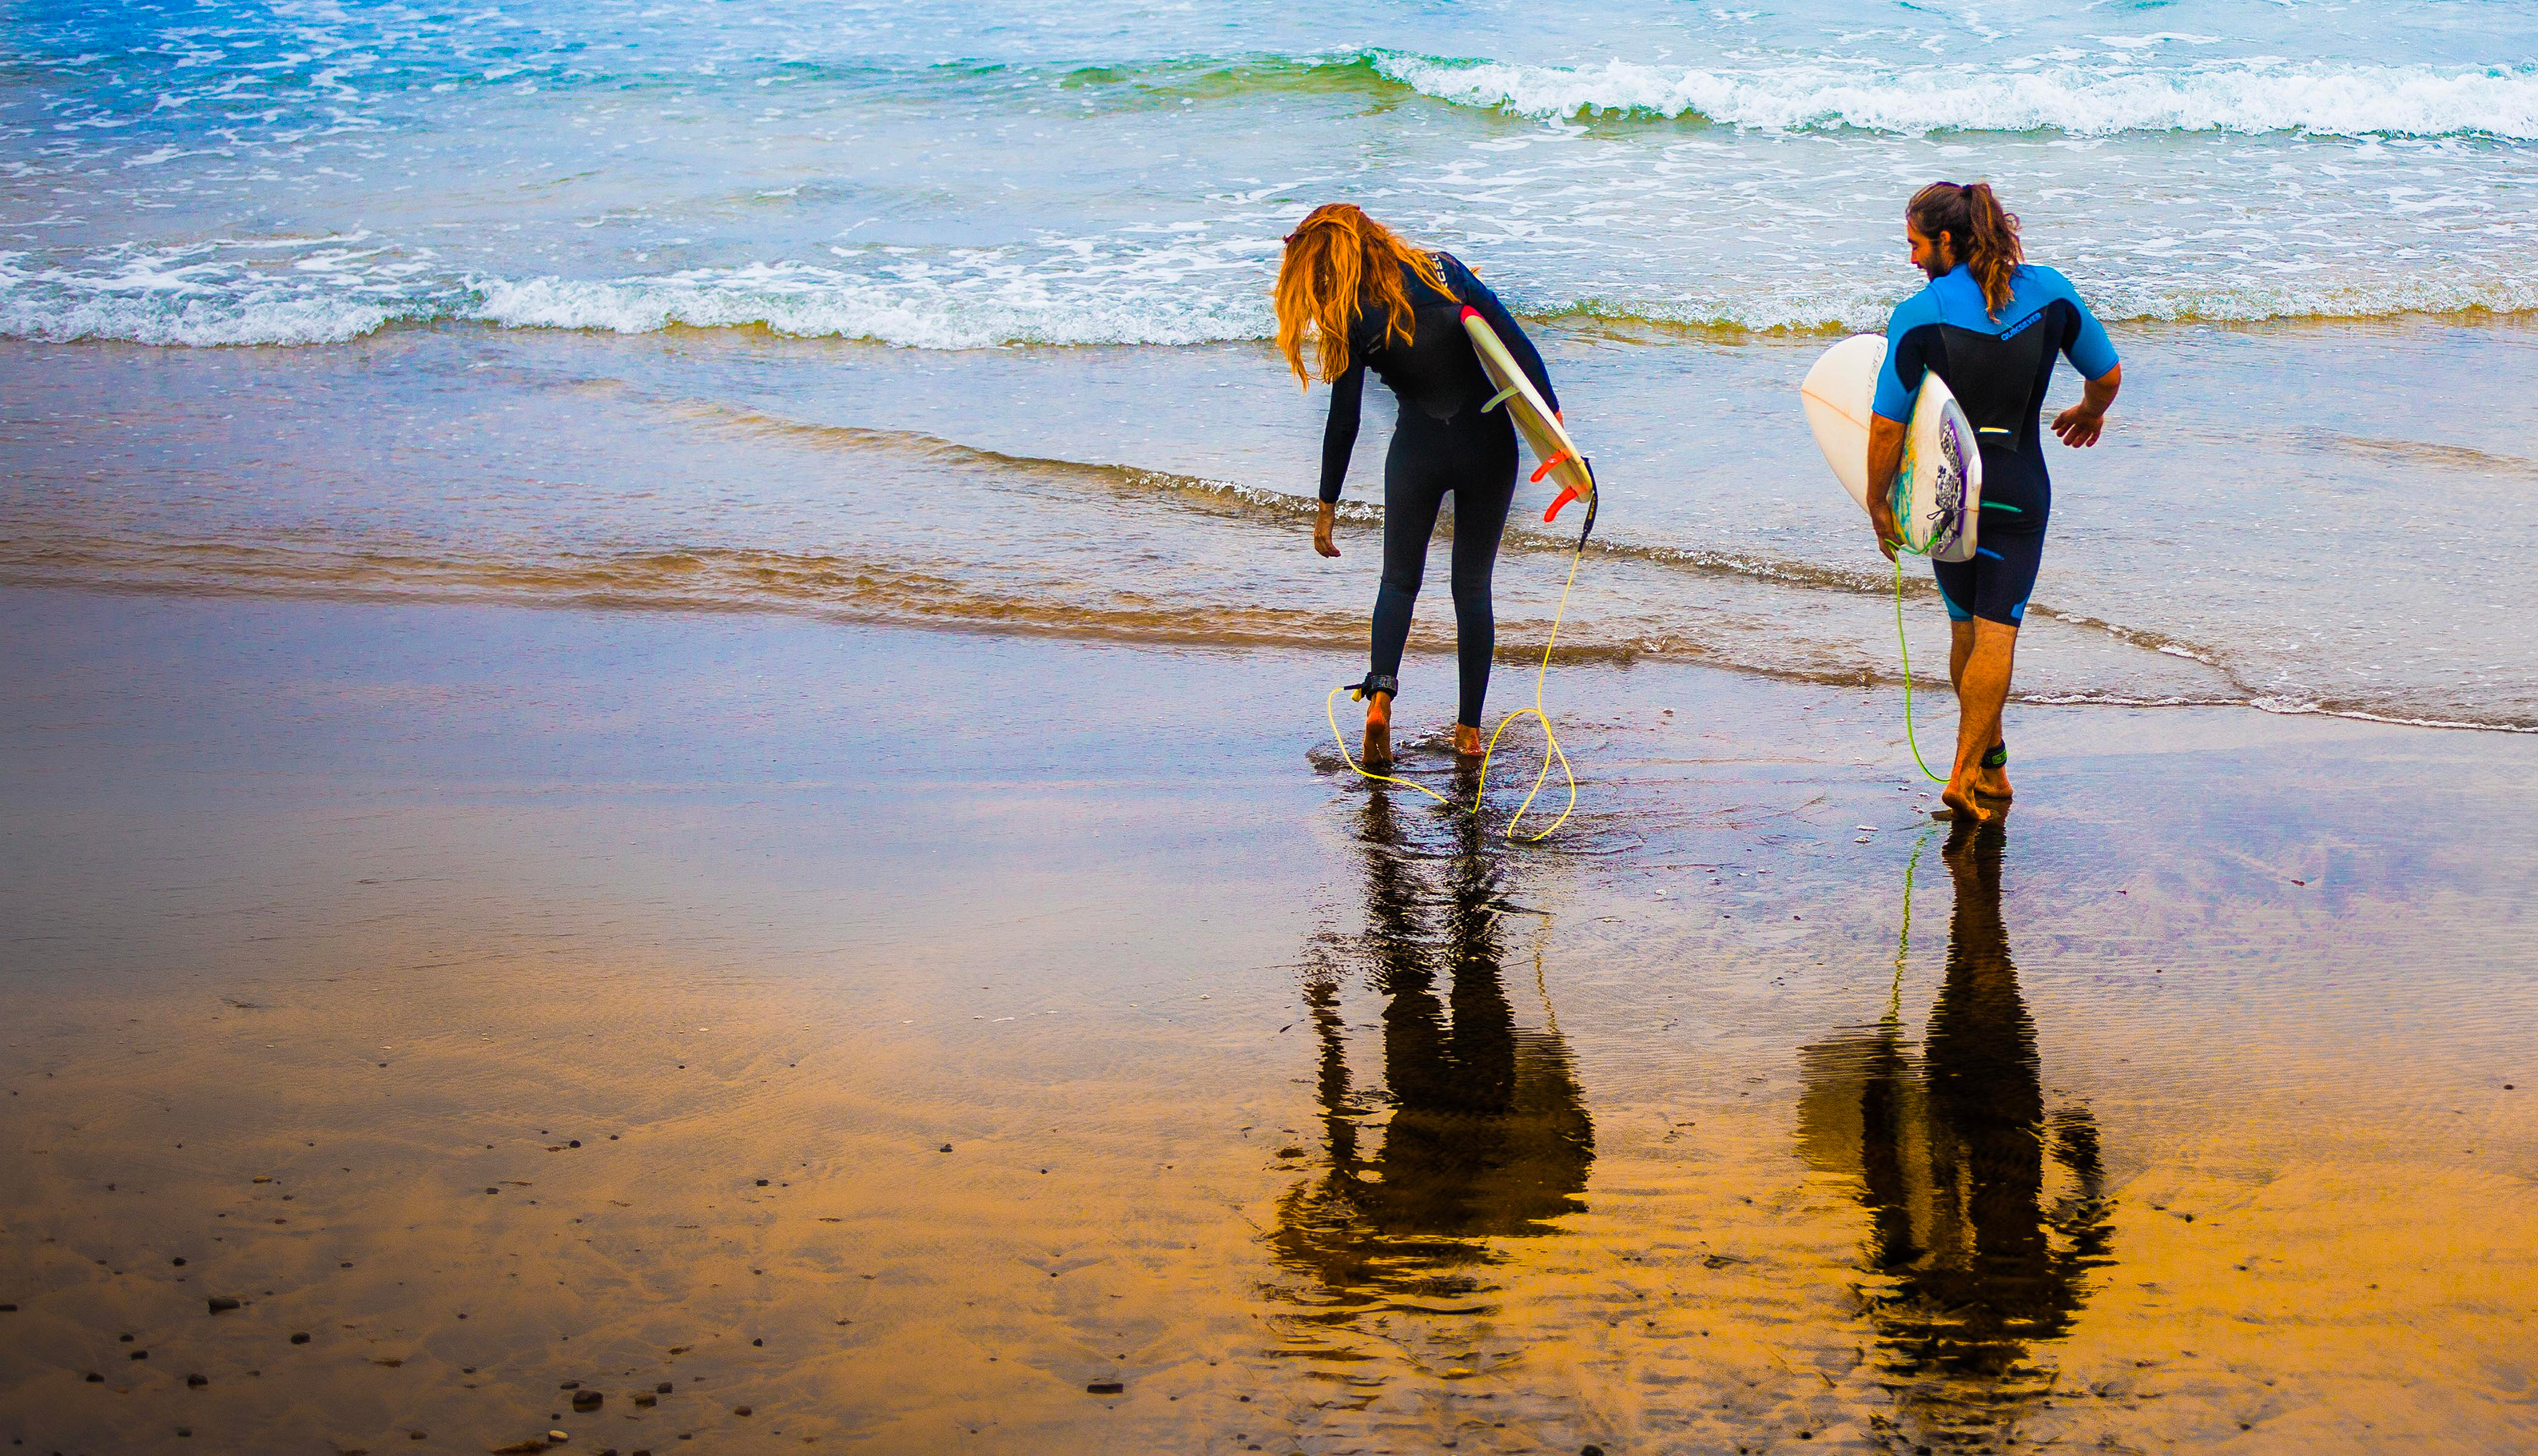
(1322, 541)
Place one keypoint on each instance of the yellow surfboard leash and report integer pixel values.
(1551, 738)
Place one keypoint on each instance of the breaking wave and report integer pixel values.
(1152, 301)
(2077, 97)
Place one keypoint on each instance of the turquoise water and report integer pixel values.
(990, 250)
(918, 176)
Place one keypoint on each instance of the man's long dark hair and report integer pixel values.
(1980, 232)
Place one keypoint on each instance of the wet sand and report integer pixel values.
(891, 1039)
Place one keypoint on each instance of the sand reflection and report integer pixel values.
(1464, 1125)
(1987, 1209)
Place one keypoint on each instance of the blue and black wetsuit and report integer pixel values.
(1997, 368)
(1442, 442)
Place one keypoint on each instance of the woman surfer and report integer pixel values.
(1990, 324)
(1371, 300)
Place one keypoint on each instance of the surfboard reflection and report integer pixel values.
(1470, 1128)
(1985, 1208)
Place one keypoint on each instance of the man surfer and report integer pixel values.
(1990, 325)
(1374, 302)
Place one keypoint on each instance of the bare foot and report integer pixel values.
(1960, 804)
(1992, 783)
(1378, 732)
(1467, 740)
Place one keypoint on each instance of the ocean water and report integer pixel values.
(956, 314)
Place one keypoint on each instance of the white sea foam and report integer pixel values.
(2257, 298)
(201, 317)
(946, 308)
(2249, 95)
(1066, 293)
(1199, 295)
(198, 294)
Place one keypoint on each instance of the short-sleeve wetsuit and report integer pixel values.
(1442, 442)
(1997, 368)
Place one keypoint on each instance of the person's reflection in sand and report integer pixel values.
(1475, 1130)
(1985, 1211)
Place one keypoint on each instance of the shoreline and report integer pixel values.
(1275, 638)
(1580, 320)
(2201, 556)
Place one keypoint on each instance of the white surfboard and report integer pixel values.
(1938, 493)
(1542, 430)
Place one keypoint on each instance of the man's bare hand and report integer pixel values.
(2083, 423)
(2080, 426)
(1322, 541)
(1885, 461)
(1880, 519)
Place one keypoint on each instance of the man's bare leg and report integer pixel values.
(1982, 688)
(1467, 740)
(1991, 784)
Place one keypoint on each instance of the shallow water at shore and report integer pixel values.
(2165, 1117)
(2301, 518)
(925, 314)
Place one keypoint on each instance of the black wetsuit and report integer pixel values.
(1442, 442)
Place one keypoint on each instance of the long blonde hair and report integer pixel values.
(1338, 261)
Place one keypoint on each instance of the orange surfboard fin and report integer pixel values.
(1566, 495)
